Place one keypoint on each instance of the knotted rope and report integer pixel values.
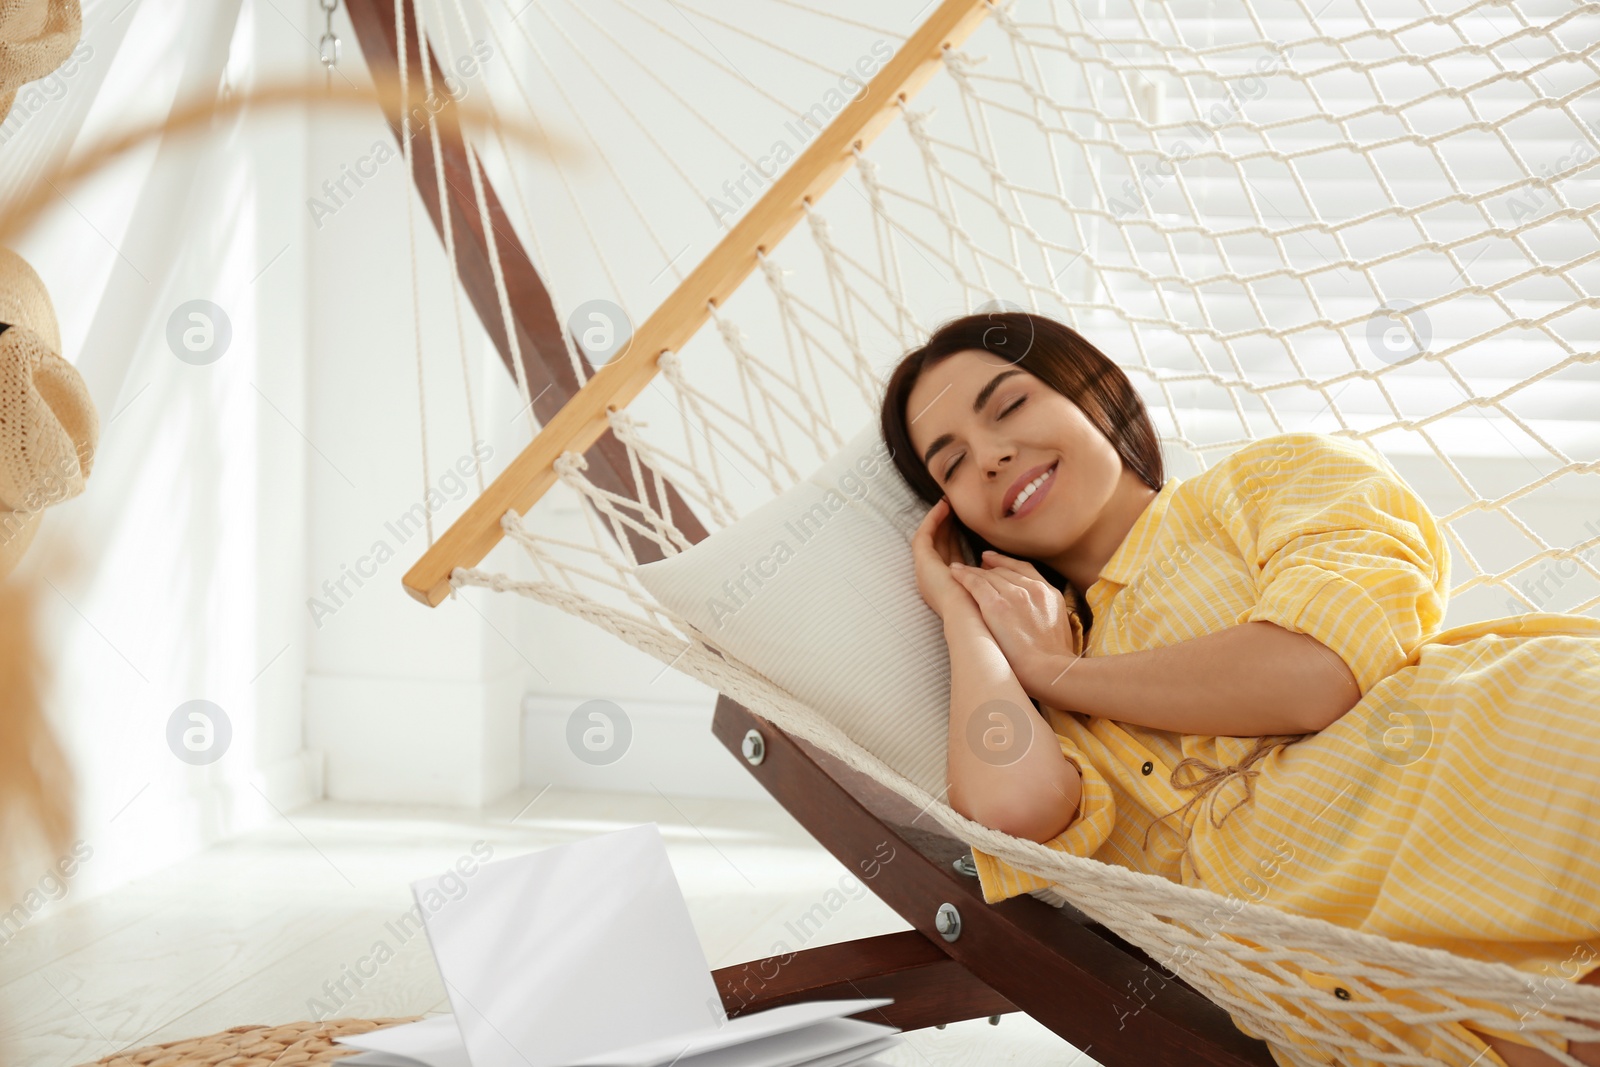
(1210, 776)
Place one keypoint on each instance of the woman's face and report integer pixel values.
(985, 429)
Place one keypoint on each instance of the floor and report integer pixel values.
(281, 924)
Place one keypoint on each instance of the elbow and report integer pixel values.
(1041, 821)
(1331, 710)
(1333, 698)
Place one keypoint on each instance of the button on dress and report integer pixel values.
(1456, 806)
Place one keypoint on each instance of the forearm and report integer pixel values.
(1249, 680)
(1026, 788)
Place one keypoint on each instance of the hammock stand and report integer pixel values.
(1071, 974)
(1074, 975)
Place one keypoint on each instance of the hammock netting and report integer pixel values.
(1274, 216)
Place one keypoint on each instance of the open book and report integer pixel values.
(809, 1034)
(584, 955)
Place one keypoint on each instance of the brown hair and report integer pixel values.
(1057, 355)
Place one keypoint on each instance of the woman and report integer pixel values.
(1266, 705)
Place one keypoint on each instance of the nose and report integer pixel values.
(999, 457)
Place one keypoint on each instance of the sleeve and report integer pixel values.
(1087, 832)
(1341, 547)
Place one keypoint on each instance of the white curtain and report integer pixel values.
(175, 576)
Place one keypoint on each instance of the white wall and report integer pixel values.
(411, 704)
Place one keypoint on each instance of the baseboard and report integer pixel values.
(294, 781)
(415, 740)
(671, 750)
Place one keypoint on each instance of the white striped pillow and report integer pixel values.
(815, 590)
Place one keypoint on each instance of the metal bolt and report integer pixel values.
(754, 748)
(947, 920)
(965, 865)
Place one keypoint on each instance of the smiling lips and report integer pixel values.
(1028, 489)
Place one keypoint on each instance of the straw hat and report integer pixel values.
(35, 38)
(48, 425)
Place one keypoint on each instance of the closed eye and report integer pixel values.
(948, 471)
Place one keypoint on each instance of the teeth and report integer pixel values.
(1027, 491)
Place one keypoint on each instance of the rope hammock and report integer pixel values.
(1275, 217)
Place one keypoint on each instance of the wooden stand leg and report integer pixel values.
(1070, 973)
(928, 987)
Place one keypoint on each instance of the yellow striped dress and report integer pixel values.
(1456, 806)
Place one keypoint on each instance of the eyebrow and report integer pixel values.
(977, 405)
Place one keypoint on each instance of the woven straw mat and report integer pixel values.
(288, 1045)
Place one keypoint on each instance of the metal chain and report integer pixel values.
(328, 43)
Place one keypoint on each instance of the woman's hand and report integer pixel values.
(1029, 618)
(933, 549)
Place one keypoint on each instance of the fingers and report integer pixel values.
(929, 528)
(946, 538)
(968, 579)
(977, 578)
(1001, 578)
(931, 520)
(996, 560)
